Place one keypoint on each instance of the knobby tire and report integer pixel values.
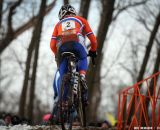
(66, 116)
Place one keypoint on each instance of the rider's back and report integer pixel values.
(72, 28)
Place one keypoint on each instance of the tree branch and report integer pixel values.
(10, 15)
(19, 62)
(143, 21)
(116, 59)
(32, 21)
(8, 38)
(127, 7)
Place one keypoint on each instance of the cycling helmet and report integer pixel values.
(66, 9)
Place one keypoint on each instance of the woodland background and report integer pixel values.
(128, 35)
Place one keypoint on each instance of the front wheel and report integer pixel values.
(81, 109)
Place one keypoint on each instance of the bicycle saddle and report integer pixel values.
(68, 54)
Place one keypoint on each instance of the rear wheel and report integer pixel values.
(66, 106)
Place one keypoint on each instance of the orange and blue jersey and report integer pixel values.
(81, 28)
(68, 35)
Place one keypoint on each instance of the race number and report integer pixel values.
(68, 25)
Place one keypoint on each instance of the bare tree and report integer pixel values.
(134, 57)
(23, 96)
(93, 76)
(149, 47)
(84, 8)
(12, 34)
(10, 31)
(36, 41)
(122, 5)
(29, 78)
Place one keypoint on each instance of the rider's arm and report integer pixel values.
(93, 41)
(53, 41)
(89, 33)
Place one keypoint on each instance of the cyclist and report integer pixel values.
(68, 35)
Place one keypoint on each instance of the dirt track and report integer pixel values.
(27, 127)
(74, 128)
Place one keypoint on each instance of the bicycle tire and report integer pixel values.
(65, 115)
(81, 108)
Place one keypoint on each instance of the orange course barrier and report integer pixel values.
(139, 105)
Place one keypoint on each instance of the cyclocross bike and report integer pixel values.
(72, 107)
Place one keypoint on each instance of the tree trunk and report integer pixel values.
(149, 47)
(36, 40)
(23, 97)
(84, 8)
(1, 10)
(151, 86)
(66, 2)
(93, 76)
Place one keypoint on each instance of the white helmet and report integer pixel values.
(66, 9)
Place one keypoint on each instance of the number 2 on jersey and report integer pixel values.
(68, 25)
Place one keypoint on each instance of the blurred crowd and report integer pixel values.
(48, 119)
(7, 119)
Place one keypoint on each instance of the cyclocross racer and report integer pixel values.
(69, 35)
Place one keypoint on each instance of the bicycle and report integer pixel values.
(73, 106)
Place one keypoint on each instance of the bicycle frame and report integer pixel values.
(74, 94)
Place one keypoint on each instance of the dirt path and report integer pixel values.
(74, 128)
(27, 127)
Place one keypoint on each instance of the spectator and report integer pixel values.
(25, 121)
(46, 119)
(106, 124)
(16, 120)
(2, 123)
(7, 119)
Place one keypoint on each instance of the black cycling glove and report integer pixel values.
(92, 54)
